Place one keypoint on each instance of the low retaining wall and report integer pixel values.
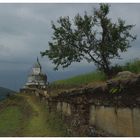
(119, 122)
(114, 121)
(112, 109)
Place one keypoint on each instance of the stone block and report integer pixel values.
(124, 122)
(136, 121)
(64, 107)
(59, 107)
(92, 115)
(106, 119)
(68, 109)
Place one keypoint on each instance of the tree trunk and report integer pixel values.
(107, 71)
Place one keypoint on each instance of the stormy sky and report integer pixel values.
(25, 30)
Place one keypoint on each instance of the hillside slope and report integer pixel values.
(4, 92)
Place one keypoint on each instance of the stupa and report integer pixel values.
(36, 78)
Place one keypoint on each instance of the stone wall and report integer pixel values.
(114, 121)
(112, 109)
(119, 122)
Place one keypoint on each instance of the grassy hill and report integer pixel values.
(5, 92)
(83, 79)
(97, 76)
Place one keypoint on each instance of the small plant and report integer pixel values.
(115, 90)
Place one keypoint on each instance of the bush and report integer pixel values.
(133, 66)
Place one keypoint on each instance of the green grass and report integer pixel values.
(25, 115)
(133, 66)
(10, 120)
(82, 79)
(55, 122)
(13, 114)
(43, 123)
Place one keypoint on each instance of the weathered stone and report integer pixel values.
(125, 74)
(92, 131)
(97, 106)
(69, 109)
(92, 116)
(106, 119)
(136, 122)
(89, 90)
(124, 122)
(64, 108)
(98, 89)
(113, 83)
(59, 106)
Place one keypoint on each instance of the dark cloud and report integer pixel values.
(25, 30)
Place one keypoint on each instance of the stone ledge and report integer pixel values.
(116, 92)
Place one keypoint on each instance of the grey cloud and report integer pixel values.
(25, 30)
(3, 49)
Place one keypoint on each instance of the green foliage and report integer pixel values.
(91, 37)
(133, 66)
(115, 90)
(82, 79)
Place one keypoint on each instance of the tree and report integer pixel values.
(91, 37)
